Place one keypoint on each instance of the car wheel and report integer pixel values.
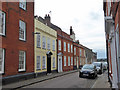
(80, 76)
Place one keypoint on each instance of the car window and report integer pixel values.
(88, 67)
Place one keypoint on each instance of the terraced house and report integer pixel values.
(16, 41)
(45, 47)
(112, 31)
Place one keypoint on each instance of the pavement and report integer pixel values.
(102, 82)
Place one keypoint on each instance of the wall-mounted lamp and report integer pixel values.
(36, 33)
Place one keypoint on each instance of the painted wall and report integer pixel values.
(46, 31)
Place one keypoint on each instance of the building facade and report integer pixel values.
(65, 47)
(16, 41)
(45, 48)
(112, 29)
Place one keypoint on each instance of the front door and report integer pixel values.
(48, 63)
(59, 63)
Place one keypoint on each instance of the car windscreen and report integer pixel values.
(88, 67)
(97, 64)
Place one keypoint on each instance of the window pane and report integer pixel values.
(22, 60)
(22, 4)
(2, 23)
(22, 30)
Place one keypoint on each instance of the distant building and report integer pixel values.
(45, 48)
(112, 31)
(79, 52)
(16, 41)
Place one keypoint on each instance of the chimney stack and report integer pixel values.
(71, 30)
(47, 20)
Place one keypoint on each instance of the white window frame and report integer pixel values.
(2, 59)
(22, 4)
(75, 61)
(74, 51)
(53, 62)
(71, 60)
(48, 43)
(53, 45)
(22, 27)
(80, 52)
(59, 45)
(68, 47)
(64, 46)
(38, 63)
(44, 62)
(71, 48)
(68, 60)
(24, 59)
(38, 41)
(43, 42)
(3, 22)
(64, 60)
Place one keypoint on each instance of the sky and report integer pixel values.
(85, 16)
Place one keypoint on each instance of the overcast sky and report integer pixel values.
(85, 16)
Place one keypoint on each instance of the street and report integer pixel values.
(67, 81)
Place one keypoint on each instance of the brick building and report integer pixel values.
(112, 31)
(16, 41)
(78, 52)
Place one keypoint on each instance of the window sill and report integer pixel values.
(22, 40)
(44, 69)
(20, 71)
(38, 47)
(38, 69)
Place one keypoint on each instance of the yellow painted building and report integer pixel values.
(45, 48)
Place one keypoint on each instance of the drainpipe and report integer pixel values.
(107, 60)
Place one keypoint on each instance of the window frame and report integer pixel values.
(39, 63)
(53, 45)
(24, 61)
(21, 3)
(74, 51)
(64, 60)
(43, 66)
(71, 48)
(75, 63)
(43, 41)
(71, 60)
(48, 43)
(3, 61)
(68, 60)
(59, 45)
(65, 46)
(38, 43)
(22, 22)
(68, 47)
(54, 62)
(4, 23)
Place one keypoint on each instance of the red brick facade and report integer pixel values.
(64, 37)
(11, 43)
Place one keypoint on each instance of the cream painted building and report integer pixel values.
(45, 47)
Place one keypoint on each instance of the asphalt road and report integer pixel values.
(67, 81)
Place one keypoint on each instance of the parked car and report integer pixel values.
(88, 70)
(99, 67)
(104, 65)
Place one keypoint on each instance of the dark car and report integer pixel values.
(99, 67)
(88, 70)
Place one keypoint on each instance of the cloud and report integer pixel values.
(86, 17)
